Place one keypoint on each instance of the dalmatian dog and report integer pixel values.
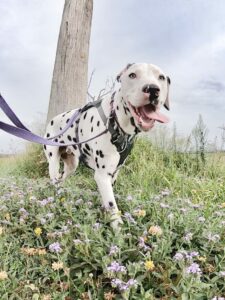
(133, 108)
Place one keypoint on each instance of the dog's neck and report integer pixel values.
(123, 114)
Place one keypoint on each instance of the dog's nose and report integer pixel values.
(151, 89)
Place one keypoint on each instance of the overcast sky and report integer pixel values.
(186, 38)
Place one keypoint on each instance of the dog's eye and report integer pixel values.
(132, 75)
(162, 77)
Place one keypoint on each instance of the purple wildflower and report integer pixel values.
(43, 221)
(142, 244)
(222, 273)
(55, 247)
(50, 216)
(123, 286)
(129, 218)
(113, 250)
(23, 212)
(97, 225)
(163, 205)
(188, 237)
(132, 283)
(194, 269)
(115, 267)
(178, 256)
(165, 192)
(157, 198)
(190, 255)
(44, 202)
(129, 198)
(213, 238)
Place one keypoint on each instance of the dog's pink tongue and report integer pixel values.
(155, 115)
(158, 117)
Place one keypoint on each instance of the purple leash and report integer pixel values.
(22, 132)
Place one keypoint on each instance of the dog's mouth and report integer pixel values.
(146, 116)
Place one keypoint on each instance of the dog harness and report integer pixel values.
(119, 138)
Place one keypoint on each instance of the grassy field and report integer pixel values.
(57, 243)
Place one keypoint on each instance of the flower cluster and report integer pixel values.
(124, 286)
(194, 269)
(155, 230)
(55, 247)
(113, 250)
(115, 267)
(33, 251)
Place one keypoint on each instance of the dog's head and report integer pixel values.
(145, 88)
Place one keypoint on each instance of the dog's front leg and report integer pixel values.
(108, 200)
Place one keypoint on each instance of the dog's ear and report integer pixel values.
(121, 73)
(167, 103)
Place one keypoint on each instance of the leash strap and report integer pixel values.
(22, 132)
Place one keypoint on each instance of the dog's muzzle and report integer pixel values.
(153, 91)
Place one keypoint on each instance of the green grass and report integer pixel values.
(174, 191)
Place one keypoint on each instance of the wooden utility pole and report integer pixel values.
(70, 75)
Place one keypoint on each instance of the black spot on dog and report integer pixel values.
(86, 152)
(110, 174)
(96, 160)
(97, 166)
(81, 131)
(62, 142)
(101, 154)
(67, 120)
(56, 140)
(87, 146)
(110, 204)
(92, 118)
(77, 121)
(98, 123)
(48, 135)
(69, 137)
(71, 126)
(45, 147)
(97, 152)
(52, 122)
(91, 129)
(74, 140)
(50, 154)
(60, 128)
(63, 115)
(85, 115)
(117, 107)
(103, 167)
(132, 121)
(75, 147)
